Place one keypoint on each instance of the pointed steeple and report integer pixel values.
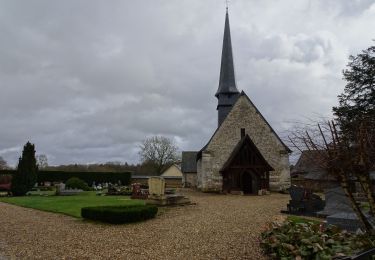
(227, 83)
(227, 92)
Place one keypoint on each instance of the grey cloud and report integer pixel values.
(86, 81)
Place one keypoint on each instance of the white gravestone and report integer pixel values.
(156, 186)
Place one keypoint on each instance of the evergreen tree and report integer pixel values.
(26, 174)
(357, 103)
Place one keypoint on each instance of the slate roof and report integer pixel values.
(308, 162)
(189, 162)
(227, 83)
(308, 166)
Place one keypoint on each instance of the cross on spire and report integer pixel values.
(227, 92)
(227, 83)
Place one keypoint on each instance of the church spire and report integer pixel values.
(227, 93)
(227, 83)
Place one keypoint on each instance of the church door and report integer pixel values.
(247, 183)
(250, 183)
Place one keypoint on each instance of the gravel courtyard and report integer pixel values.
(217, 227)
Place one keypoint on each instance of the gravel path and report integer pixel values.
(217, 227)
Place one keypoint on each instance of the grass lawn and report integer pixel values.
(69, 205)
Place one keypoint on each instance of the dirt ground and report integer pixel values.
(216, 227)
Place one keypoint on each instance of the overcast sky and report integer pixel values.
(86, 81)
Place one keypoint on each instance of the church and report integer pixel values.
(244, 154)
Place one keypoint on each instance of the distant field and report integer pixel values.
(69, 205)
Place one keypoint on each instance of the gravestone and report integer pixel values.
(156, 187)
(336, 202)
(138, 192)
(304, 202)
(338, 210)
(157, 196)
(345, 220)
(61, 190)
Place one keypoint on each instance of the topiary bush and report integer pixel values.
(76, 183)
(120, 214)
(292, 240)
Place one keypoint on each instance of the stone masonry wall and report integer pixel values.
(243, 115)
(190, 180)
(199, 174)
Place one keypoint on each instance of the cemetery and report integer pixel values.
(331, 215)
(196, 217)
(204, 229)
(235, 197)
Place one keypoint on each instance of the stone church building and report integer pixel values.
(244, 154)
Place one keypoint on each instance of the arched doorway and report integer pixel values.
(250, 183)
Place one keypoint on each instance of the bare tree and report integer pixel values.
(3, 164)
(160, 151)
(42, 161)
(345, 158)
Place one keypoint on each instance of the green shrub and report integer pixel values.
(292, 240)
(76, 183)
(118, 214)
(88, 177)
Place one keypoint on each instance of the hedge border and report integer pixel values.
(119, 214)
(88, 177)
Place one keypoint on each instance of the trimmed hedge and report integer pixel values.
(120, 214)
(88, 177)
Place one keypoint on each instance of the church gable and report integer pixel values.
(246, 155)
(244, 115)
(246, 169)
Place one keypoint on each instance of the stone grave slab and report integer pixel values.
(336, 202)
(344, 220)
(157, 196)
(339, 212)
(304, 202)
